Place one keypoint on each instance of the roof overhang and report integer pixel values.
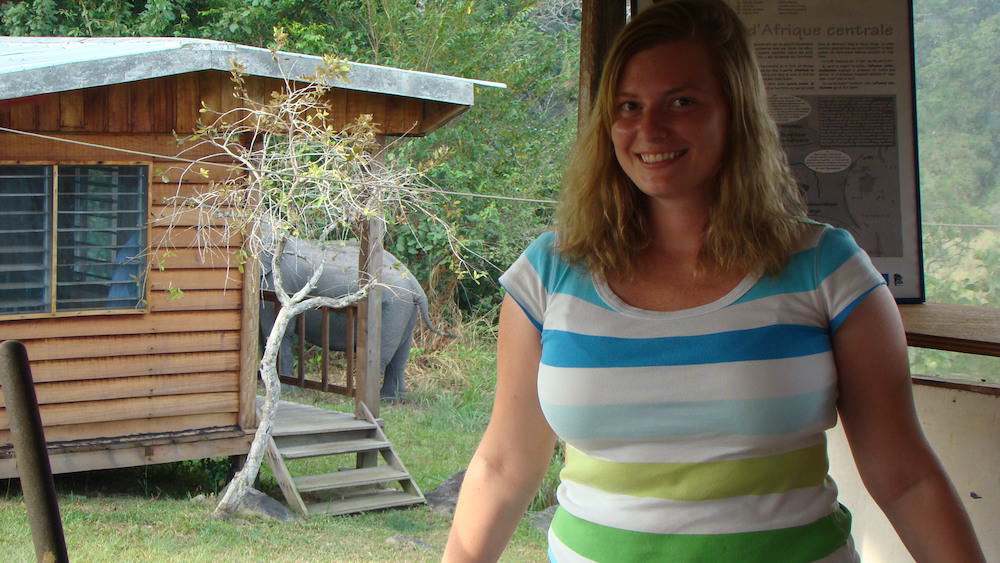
(40, 65)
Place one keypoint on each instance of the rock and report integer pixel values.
(198, 498)
(444, 498)
(256, 503)
(542, 519)
(407, 541)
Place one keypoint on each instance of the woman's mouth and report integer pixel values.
(652, 158)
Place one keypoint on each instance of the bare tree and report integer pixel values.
(296, 174)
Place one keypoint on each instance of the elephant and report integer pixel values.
(402, 301)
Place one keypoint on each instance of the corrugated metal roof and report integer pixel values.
(39, 65)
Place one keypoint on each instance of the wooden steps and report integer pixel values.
(302, 432)
(361, 503)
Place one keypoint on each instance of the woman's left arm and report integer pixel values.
(896, 463)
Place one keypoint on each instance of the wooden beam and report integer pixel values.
(370, 319)
(128, 409)
(128, 366)
(602, 19)
(220, 278)
(114, 345)
(131, 387)
(955, 328)
(70, 462)
(195, 300)
(181, 321)
(978, 387)
(108, 434)
(249, 343)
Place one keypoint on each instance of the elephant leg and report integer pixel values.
(396, 342)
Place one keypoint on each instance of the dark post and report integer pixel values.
(602, 19)
(31, 454)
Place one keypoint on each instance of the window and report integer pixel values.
(94, 257)
(956, 42)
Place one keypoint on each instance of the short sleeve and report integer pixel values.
(524, 282)
(845, 275)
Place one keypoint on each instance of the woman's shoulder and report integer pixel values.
(544, 244)
(823, 237)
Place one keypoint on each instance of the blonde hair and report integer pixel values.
(756, 215)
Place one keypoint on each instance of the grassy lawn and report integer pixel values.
(155, 513)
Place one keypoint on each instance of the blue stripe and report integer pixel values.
(835, 247)
(842, 316)
(572, 350)
(797, 277)
(808, 268)
(559, 277)
(743, 417)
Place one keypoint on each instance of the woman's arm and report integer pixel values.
(894, 459)
(515, 451)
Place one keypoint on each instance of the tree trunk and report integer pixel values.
(243, 481)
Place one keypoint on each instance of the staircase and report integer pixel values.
(302, 431)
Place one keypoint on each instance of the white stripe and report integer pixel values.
(759, 379)
(587, 318)
(843, 284)
(749, 513)
(563, 554)
(525, 287)
(696, 449)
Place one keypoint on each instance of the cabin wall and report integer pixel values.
(162, 384)
(961, 425)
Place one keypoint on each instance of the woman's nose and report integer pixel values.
(655, 123)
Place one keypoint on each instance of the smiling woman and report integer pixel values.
(691, 336)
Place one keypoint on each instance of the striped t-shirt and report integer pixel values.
(695, 435)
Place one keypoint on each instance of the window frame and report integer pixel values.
(53, 243)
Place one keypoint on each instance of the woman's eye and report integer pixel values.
(627, 106)
(681, 102)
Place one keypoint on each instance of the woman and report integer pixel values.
(690, 336)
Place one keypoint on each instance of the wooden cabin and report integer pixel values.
(126, 373)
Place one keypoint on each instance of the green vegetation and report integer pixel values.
(151, 513)
(956, 46)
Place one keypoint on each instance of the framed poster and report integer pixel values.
(839, 75)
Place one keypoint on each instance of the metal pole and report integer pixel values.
(31, 454)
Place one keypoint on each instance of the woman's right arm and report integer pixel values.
(515, 451)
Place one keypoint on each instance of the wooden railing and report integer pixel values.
(953, 328)
(350, 341)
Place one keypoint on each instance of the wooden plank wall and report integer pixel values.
(172, 103)
(172, 369)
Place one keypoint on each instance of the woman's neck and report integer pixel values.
(676, 231)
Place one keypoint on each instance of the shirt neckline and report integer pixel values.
(617, 304)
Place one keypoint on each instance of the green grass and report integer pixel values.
(154, 514)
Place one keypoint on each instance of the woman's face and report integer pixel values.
(671, 120)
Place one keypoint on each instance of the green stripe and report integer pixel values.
(789, 545)
(701, 481)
